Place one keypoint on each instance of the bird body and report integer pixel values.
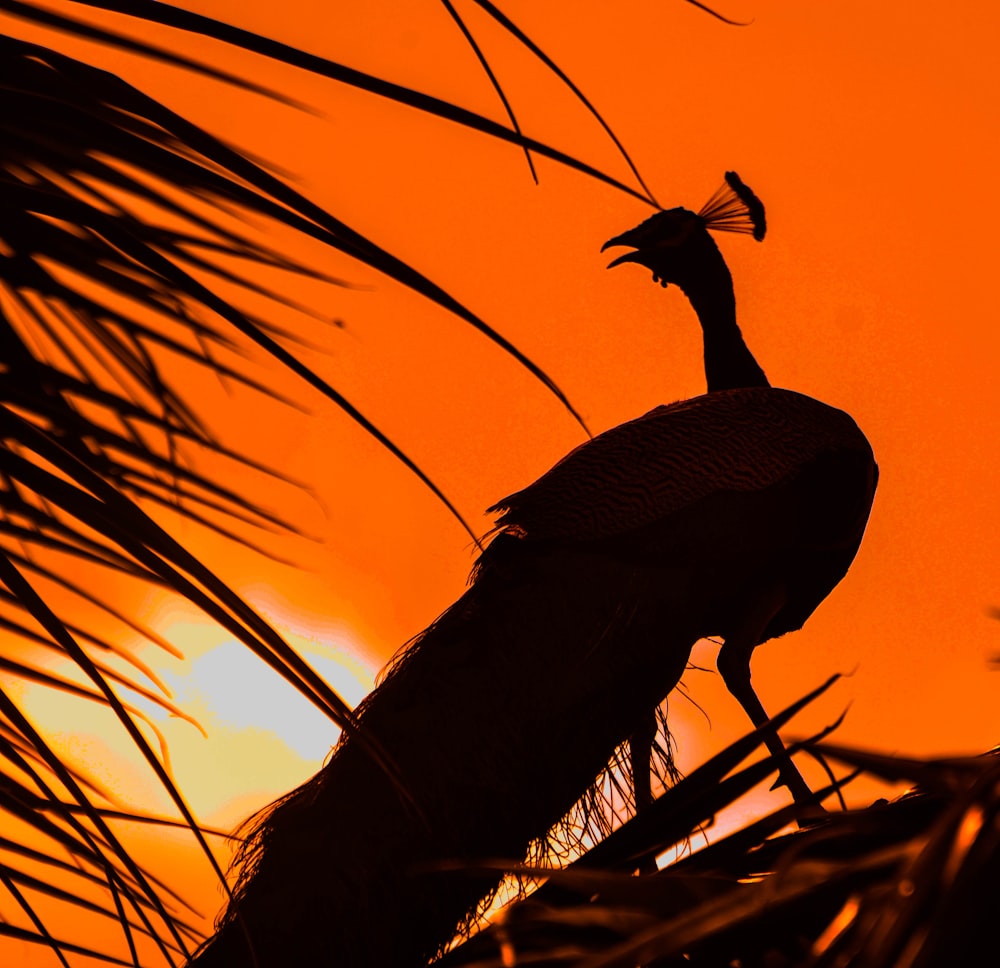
(687, 479)
(639, 472)
(731, 514)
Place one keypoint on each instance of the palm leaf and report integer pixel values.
(893, 885)
(121, 223)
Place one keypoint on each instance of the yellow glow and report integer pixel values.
(262, 737)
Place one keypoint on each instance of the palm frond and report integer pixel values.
(894, 885)
(522, 38)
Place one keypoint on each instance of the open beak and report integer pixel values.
(626, 238)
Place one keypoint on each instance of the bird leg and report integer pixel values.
(640, 745)
(733, 664)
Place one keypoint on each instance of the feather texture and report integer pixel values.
(640, 472)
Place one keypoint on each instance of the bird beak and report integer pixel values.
(626, 238)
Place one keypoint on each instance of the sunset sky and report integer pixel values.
(870, 133)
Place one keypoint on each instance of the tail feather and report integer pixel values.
(497, 715)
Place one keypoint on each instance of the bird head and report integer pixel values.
(675, 242)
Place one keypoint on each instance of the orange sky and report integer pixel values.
(869, 131)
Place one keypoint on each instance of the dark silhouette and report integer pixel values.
(731, 514)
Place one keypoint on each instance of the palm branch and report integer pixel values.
(121, 226)
(896, 884)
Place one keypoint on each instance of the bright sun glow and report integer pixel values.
(261, 737)
(243, 693)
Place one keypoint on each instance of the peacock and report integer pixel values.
(732, 514)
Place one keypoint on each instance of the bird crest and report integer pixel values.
(734, 208)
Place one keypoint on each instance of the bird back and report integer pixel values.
(647, 469)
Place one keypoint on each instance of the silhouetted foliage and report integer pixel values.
(902, 883)
(120, 224)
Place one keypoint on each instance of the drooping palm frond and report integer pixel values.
(119, 233)
(108, 249)
(121, 537)
(112, 239)
(522, 38)
(104, 246)
(74, 187)
(185, 20)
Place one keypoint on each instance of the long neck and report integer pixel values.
(729, 364)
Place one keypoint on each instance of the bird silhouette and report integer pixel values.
(731, 514)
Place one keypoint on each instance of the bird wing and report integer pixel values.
(639, 472)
